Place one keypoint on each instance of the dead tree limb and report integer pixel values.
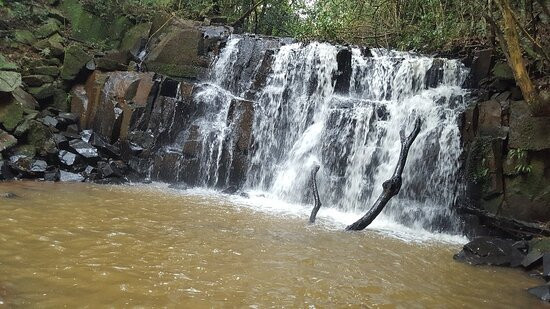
(318, 204)
(391, 186)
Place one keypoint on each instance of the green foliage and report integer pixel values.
(522, 164)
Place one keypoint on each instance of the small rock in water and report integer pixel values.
(8, 195)
(230, 190)
(492, 251)
(70, 177)
(542, 292)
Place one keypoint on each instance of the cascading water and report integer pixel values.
(341, 108)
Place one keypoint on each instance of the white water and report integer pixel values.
(300, 121)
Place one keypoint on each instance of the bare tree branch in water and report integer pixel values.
(318, 204)
(391, 186)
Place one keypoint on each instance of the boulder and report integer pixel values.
(84, 149)
(490, 119)
(135, 38)
(9, 81)
(481, 65)
(23, 37)
(493, 251)
(177, 54)
(527, 132)
(502, 70)
(67, 158)
(75, 60)
(43, 92)
(53, 45)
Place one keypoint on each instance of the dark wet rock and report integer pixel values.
(52, 174)
(111, 181)
(61, 141)
(244, 194)
(49, 70)
(481, 65)
(70, 118)
(84, 149)
(21, 164)
(434, 75)
(493, 251)
(343, 77)
(65, 176)
(5, 171)
(546, 264)
(542, 292)
(8, 195)
(101, 143)
(67, 158)
(527, 132)
(43, 92)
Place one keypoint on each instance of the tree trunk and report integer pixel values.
(318, 204)
(391, 186)
(515, 59)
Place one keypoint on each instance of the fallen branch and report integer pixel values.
(391, 186)
(318, 204)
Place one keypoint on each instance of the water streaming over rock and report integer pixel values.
(272, 109)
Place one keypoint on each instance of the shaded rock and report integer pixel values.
(84, 149)
(135, 38)
(46, 70)
(9, 81)
(489, 122)
(434, 75)
(43, 92)
(6, 140)
(51, 174)
(502, 70)
(65, 176)
(24, 99)
(37, 80)
(546, 265)
(492, 251)
(49, 121)
(481, 65)
(343, 77)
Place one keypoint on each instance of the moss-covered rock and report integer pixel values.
(50, 27)
(46, 70)
(38, 135)
(91, 28)
(9, 81)
(43, 92)
(503, 71)
(75, 60)
(6, 140)
(134, 36)
(11, 113)
(6, 65)
(51, 46)
(24, 37)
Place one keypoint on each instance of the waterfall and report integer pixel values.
(341, 108)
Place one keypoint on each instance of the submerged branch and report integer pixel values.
(391, 186)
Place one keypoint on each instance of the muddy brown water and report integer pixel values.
(79, 245)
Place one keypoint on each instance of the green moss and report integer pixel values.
(37, 135)
(134, 35)
(47, 29)
(91, 28)
(46, 70)
(43, 92)
(24, 37)
(9, 81)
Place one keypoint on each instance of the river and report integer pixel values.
(82, 245)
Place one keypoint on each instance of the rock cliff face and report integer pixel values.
(507, 149)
